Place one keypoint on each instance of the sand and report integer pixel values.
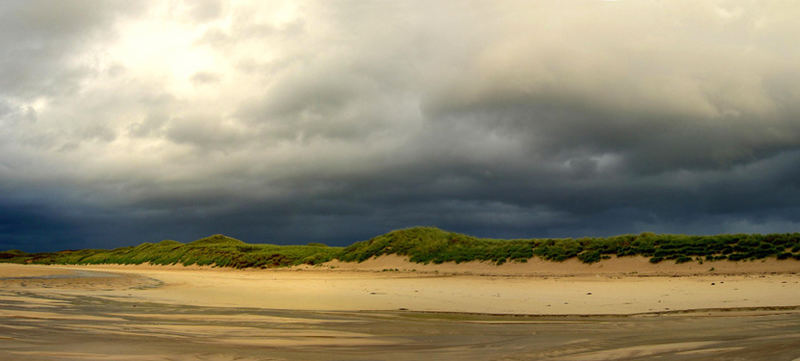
(565, 288)
(354, 291)
(622, 266)
(538, 310)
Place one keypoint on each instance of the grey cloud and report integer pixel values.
(204, 10)
(349, 119)
(151, 125)
(39, 39)
(313, 104)
(206, 133)
(202, 78)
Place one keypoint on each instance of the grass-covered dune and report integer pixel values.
(428, 244)
(217, 250)
(424, 245)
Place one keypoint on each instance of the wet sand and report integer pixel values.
(176, 313)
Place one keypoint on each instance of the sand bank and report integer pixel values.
(630, 266)
(616, 290)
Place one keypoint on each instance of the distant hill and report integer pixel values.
(433, 245)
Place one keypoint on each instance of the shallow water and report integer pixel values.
(37, 326)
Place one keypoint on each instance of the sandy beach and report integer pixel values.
(353, 311)
(470, 288)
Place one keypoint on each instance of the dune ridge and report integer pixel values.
(429, 245)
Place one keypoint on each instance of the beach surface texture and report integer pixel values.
(389, 308)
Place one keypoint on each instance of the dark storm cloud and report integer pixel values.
(26, 229)
(297, 122)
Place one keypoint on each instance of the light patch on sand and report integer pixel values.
(18, 327)
(82, 356)
(255, 332)
(710, 350)
(532, 322)
(226, 318)
(638, 351)
(239, 335)
(305, 341)
(22, 301)
(129, 331)
(53, 316)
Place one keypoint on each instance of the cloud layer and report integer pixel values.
(291, 121)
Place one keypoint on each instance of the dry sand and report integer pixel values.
(621, 266)
(610, 287)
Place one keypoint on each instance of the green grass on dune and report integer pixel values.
(428, 244)
(218, 250)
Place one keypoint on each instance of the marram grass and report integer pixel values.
(433, 245)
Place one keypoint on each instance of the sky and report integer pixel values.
(290, 122)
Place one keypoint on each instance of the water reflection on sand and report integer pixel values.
(59, 327)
